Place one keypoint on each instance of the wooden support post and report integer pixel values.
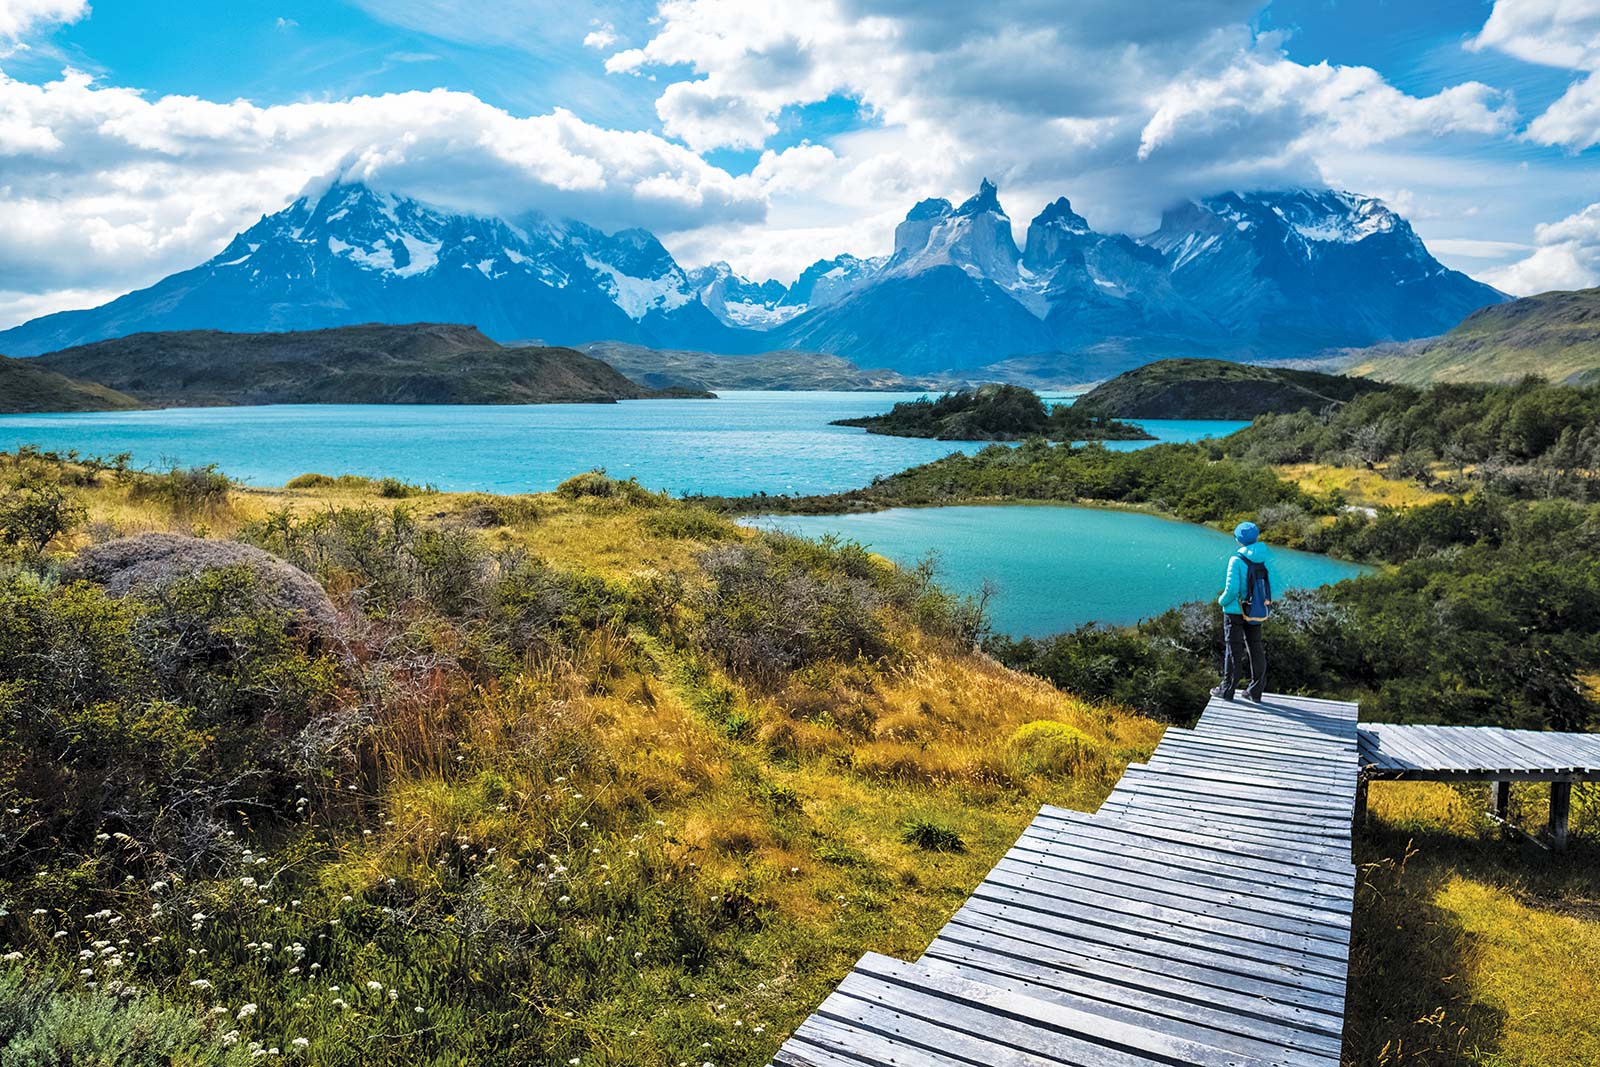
(1361, 804)
(1560, 809)
(1500, 800)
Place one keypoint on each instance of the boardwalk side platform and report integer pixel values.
(1201, 916)
(1483, 754)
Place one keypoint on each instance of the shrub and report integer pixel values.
(386, 557)
(186, 491)
(1054, 748)
(314, 480)
(1157, 674)
(36, 511)
(149, 564)
(395, 489)
(597, 484)
(775, 605)
(44, 1027)
(535, 608)
(688, 522)
(931, 836)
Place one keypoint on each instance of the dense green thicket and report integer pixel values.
(1532, 438)
(995, 413)
(1186, 480)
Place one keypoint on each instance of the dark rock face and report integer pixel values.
(149, 563)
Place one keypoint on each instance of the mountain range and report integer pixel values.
(1237, 276)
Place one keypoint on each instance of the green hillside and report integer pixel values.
(1553, 335)
(421, 363)
(26, 386)
(1218, 389)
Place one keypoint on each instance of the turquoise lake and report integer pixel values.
(1052, 568)
(743, 442)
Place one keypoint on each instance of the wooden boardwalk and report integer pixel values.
(1483, 754)
(1469, 753)
(1201, 916)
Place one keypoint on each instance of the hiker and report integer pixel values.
(1245, 599)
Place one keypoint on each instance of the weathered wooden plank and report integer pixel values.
(1243, 928)
(1465, 753)
(1192, 973)
(1079, 933)
(1233, 774)
(1231, 861)
(1113, 849)
(1315, 804)
(1180, 1019)
(1198, 885)
(1242, 822)
(1014, 1020)
(1263, 752)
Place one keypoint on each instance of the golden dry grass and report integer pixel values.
(1362, 488)
(1473, 947)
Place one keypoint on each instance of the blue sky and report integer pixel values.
(136, 136)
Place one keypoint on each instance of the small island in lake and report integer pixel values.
(1218, 389)
(995, 413)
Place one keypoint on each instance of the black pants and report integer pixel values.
(1241, 646)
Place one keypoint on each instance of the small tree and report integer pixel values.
(36, 511)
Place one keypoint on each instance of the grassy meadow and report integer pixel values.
(562, 784)
(565, 780)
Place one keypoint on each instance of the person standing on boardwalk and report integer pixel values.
(1245, 600)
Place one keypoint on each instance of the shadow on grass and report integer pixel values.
(1412, 1001)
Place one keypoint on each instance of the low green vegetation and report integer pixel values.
(995, 413)
(591, 775)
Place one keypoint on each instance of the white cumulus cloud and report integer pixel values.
(1554, 33)
(1124, 106)
(1566, 256)
(18, 18)
(104, 185)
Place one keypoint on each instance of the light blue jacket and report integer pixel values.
(1233, 586)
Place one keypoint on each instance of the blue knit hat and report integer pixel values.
(1246, 533)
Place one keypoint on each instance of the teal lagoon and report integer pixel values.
(743, 442)
(1052, 568)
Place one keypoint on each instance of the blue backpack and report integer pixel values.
(1255, 602)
